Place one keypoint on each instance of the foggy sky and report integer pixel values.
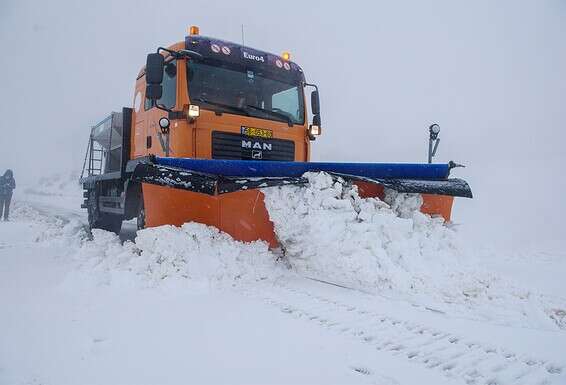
(491, 73)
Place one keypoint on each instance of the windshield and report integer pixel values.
(245, 92)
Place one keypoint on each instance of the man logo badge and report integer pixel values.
(253, 145)
(257, 154)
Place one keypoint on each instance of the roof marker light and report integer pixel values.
(286, 56)
(194, 30)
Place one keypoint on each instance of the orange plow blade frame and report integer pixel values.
(243, 214)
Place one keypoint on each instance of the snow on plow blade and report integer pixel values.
(224, 176)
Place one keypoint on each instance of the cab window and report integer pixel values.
(288, 101)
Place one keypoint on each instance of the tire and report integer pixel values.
(109, 222)
(140, 218)
(103, 221)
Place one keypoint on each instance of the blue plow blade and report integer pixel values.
(215, 177)
(263, 168)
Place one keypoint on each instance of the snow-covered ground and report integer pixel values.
(366, 292)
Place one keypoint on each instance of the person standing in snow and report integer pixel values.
(7, 186)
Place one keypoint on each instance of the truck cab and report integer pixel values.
(223, 101)
(202, 98)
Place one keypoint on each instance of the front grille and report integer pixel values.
(226, 145)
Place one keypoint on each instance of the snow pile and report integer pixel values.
(194, 251)
(56, 229)
(329, 232)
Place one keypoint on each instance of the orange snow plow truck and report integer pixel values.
(213, 123)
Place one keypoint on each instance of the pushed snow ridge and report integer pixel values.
(329, 232)
(326, 232)
(193, 251)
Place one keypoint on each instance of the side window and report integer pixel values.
(169, 95)
(288, 101)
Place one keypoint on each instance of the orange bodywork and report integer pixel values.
(241, 214)
(437, 205)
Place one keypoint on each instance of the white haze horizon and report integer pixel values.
(491, 74)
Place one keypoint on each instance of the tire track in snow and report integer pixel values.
(453, 355)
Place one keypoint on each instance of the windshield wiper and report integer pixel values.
(281, 115)
(245, 110)
(222, 105)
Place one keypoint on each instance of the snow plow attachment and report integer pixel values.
(214, 177)
(227, 194)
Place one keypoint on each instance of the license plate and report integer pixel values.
(257, 132)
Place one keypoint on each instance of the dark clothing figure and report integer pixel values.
(7, 186)
(5, 201)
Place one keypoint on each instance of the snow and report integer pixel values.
(96, 325)
(199, 253)
(390, 247)
(328, 231)
(366, 291)
(64, 330)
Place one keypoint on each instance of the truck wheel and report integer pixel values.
(98, 220)
(140, 220)
(112, 223)
(108, 222)
(92, 208)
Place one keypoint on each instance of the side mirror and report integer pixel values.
(315, 103)
(154, 76)
(153, 91)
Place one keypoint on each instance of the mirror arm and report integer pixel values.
(175, 54)
(188, 53)
(180, 54)
(305, 84)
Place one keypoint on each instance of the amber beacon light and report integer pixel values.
(194, 30)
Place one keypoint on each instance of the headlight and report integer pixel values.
(164, 124)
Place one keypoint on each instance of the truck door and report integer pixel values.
(147, 138)
(138, 141)
(158, 142)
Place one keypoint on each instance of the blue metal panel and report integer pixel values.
(253, 168)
